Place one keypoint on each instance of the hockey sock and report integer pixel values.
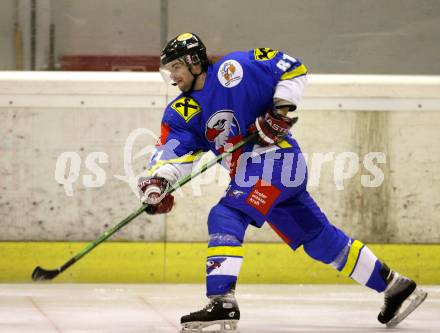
(225, 255)
(360, 264)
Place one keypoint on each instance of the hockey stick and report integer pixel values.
(41, 274)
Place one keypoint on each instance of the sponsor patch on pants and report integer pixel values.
(262, 196)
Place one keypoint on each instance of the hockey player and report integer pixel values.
(247, 92)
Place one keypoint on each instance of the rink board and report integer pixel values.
(140, 262)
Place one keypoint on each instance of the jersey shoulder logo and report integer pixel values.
(264, 53)
(187, 107)
(230, 73)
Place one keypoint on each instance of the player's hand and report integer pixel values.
(271, 128)
(152, 192)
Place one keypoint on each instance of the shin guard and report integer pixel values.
(360, 264)
(225, 255)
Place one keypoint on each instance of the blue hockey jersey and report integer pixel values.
(237, 89)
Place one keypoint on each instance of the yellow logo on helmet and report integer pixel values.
(264, 53)
(184, 36)
(186, 107)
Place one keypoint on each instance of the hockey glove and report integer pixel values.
(152, 191)
(271, 128)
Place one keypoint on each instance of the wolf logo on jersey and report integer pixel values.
(220, 127)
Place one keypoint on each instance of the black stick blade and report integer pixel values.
(41, 274)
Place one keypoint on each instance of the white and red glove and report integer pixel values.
(271, 128)
(152, 192)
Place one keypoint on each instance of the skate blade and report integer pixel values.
(225, 326)
(415, 299)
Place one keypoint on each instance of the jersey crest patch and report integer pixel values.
(220, 127)
(230, 73)
(264, 53)
(187, 107)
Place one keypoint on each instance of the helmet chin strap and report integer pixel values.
(195, 76)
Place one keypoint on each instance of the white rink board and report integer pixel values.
(46, 308)
(93, 114)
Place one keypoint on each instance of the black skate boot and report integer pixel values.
(401, 298)
(221, 311)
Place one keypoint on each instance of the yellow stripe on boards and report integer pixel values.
(112, 261)
(144, 262)
(298, 71)
(236, 251)
(353, 256)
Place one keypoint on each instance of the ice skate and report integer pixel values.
(221, 315)
(401, 298)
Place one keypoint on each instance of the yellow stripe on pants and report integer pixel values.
(353, 256)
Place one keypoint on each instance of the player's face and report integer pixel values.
(180, 74)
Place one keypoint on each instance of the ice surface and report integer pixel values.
(151, 308)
